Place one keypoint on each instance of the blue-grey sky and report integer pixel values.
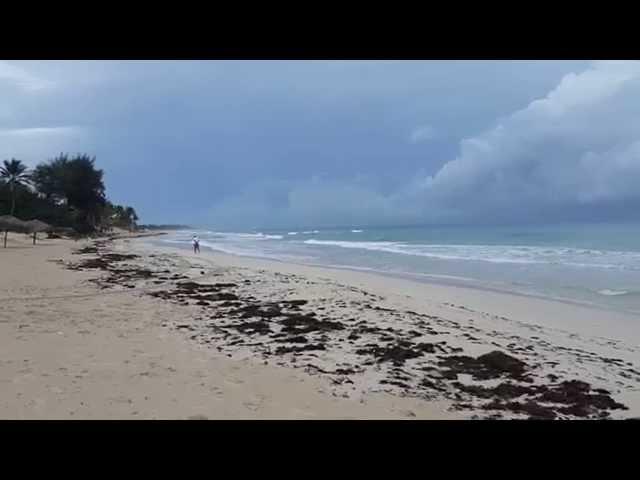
(256, 144)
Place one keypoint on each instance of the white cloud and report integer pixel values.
(575, 148)
(423, 133)
(20, 77)
(39, 131)
(567, 155)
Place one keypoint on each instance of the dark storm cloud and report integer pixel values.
(290, 143)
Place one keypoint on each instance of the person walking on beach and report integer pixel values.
(196, 244)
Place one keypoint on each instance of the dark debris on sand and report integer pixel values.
(111, 263)
(291, 329)
(282, 322)
(397, 353)
(572, 398)
(485, 367)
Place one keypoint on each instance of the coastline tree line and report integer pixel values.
(66, 192)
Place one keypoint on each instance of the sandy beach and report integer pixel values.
(125, 329)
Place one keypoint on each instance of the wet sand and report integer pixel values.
(492, 355)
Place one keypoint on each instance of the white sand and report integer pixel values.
(71, 350)
(573, 337)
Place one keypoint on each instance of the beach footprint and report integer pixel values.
(252, 405)
(234, 381)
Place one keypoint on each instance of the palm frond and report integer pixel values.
(14, 171)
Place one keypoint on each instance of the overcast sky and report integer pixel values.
(243, 144)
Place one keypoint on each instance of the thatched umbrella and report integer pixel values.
(36, 226)
(9, 223)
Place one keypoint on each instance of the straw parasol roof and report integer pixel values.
(9, 223)
(35, 226)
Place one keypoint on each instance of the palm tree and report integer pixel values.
(131, 216)
(14, 172)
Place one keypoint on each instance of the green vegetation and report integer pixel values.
(14, 173)
(119, 216)
(65, 192)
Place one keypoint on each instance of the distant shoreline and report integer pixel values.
(168, 227)
(427, 279)
(556, 334)
(236, 337)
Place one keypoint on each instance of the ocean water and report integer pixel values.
(595, 264)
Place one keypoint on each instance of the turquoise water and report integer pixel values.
(597, 264)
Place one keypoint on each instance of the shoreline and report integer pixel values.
(566, 335)
(72, 350)
(429, 279)
(624, 319)
(120, 328)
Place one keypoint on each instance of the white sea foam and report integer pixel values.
(525, 255)
(251, 236)
(356, 231)
(180, 242)
(579, 274)
(612, 293)
(231, 249)
(348, 244)
(579, 258)
(245, 251)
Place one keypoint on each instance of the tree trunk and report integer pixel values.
(5, 238)
(34, 238)
(13, 199)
